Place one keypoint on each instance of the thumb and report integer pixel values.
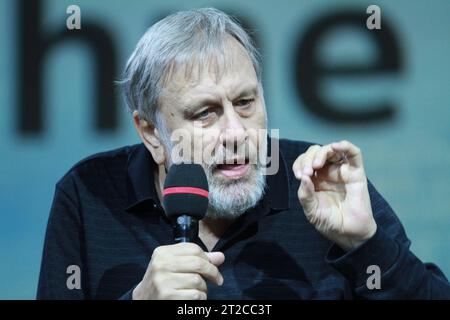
(216, 258)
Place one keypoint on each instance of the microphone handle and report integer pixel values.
(185, 229)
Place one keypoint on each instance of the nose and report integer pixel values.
(233, 133)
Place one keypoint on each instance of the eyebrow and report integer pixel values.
(191, 107)
(247, 91)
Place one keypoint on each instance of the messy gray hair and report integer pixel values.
(181, 39)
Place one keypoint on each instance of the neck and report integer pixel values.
(160, 176)
(210, 231)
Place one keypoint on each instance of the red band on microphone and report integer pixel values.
(184, 190)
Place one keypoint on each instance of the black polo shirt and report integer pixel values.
(106, 219)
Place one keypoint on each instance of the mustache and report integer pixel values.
(211, 155)
(240, 155)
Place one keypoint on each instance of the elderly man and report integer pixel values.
(314, 229)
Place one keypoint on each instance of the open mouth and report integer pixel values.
(236, 170)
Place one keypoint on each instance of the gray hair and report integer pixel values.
(182, 38)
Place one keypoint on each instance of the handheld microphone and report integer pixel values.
(185, 199)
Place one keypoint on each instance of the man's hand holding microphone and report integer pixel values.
(180, 271)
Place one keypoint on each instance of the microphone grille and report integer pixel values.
(185, 191)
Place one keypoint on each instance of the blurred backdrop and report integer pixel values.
(326, 77)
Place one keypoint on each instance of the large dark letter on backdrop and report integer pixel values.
(34, 44)
(309, 73)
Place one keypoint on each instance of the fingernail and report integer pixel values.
(220, 281)
(316, 162)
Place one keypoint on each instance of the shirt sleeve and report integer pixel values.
(402, 274)
(128, 295)
(62, 274)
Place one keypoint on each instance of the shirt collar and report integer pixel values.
(278, 184)
(141, 187)
(140, 183)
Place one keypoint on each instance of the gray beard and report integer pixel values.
(230, 199)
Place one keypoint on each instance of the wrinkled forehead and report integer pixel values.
(226, 58)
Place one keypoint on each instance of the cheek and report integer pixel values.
(258, 119)
(263, 117)
(256, 125)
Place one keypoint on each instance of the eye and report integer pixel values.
(202, 115)
(244, 102)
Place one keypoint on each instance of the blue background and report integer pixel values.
(408, 159)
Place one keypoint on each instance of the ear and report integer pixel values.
(150, 137)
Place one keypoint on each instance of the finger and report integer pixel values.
(324, 154)
(182, 249)
(306, 165)
(187, 294)
(194, 264)
(187, 281)
(216, 258)
(321, 156)
(351, 153)
(297, 166)
(306, 194)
